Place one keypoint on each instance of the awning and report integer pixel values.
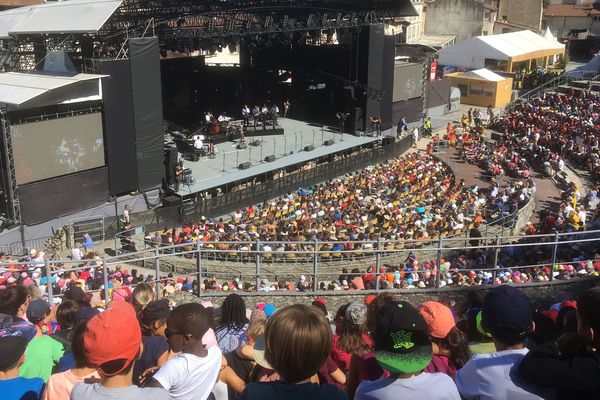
(20, 90)
(72, 16)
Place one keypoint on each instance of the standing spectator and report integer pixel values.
(76, 253)
(508, 317)
(231, 329)
(403, 348)
(112, 342)
(12, 356)
(301, 331)
(88, 243)
(193, 373)
(571, 363)
(415, 135)
(125, 218)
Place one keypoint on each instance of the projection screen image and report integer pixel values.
(47, 149)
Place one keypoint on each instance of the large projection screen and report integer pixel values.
(47, 149)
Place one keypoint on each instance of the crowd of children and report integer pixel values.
(496, 346)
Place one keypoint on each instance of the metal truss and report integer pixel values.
(175, 19)
(11, 196)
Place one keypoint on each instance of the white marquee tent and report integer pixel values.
(504, 49)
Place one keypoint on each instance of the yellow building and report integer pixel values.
(482, 87)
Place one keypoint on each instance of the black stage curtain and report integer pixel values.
(147, 110)
(119, 127)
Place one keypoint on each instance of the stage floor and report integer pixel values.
(288, 148)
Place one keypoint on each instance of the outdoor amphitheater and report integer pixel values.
(312, 199)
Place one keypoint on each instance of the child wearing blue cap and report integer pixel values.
(508, 317)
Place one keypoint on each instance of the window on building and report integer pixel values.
(463, 90)
(476, 90)
(488, 16)
(488, 92)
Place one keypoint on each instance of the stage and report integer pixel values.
(289, 149)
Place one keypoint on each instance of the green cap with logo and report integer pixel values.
(402, 345)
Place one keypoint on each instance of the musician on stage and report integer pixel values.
(246, 115)
(256, 115)
(286, 108)
(223, 118)
(274, 111)
(341, 117)
(198, 142)
(178, 175)
(264, 113)
(376, 125)
(209, 118)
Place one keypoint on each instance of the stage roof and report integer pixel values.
(72, 16)
(22, 90)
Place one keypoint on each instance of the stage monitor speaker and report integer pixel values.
(241, 146)
(388, 140)
(170, 163)
(310, 147)
(329, 142)
(245, 165)
(270, 158)
(255, 143)
(171, 201)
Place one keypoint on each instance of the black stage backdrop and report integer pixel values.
(119, 127)
(52, 198)
(144, 58)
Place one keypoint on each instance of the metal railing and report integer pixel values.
(259, 266)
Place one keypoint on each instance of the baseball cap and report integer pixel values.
(402, 345)
(37, 310)
(259, 352)
(356, 313)
(438, 318)
(506, 314)
(269, 309)
(113, 335)
(12, 349)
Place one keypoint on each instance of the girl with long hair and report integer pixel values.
(450, 344)
(231, 328)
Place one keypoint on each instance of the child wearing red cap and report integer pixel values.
(112, 343)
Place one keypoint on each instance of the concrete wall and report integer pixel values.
(539, 294)
(525, 13)
(463, 18)
(560, 26)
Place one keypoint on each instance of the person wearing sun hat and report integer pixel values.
(450, 344)
(112, 343)
(403, 348)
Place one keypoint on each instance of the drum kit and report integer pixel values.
(226, 127)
